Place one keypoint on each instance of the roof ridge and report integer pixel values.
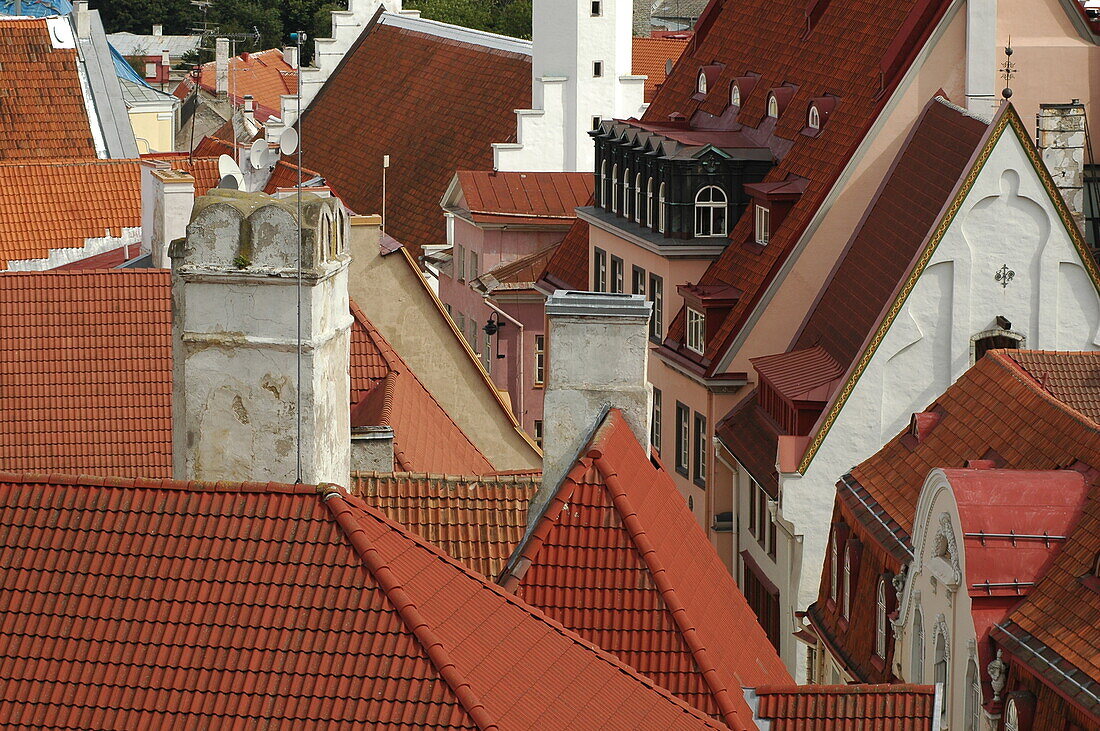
(407, 610)
(671, 599)
(1010, 364)
(81, 480)
(504, 478)
(847, 689)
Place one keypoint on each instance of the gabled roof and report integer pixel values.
(617, 556)
(265, 75)
(159, 603)
(894, 707)
(86, 368)
(477, 520)
(523, 198)
(857, 50)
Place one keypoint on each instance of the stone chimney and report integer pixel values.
(235, 343)
(167, 197)
(599, 348)
(1061, 132)
(290, 56)
(82, 18)
(158, 30)
(372, 449)
(221, 66)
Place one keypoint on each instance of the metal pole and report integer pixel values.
(298, 197)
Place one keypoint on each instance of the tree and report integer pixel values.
(476, 14)
(515, 19)
(139, 16)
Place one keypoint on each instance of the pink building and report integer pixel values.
(502, 228)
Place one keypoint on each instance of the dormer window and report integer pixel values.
(701, 85)
(773, 106)
(735, 95)
(696, 330)
(763, 226)
(813, 119)
(710, 212)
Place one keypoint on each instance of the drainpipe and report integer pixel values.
(520, 358)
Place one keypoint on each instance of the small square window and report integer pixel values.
(597, 8)
(150, 71)
(597, 69)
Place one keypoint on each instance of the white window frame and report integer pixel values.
(638, 198)
(846, 600)
(813, 120)
(763, 225)
(735, 95)
(537, 428)
(1012, 716)
(707, 211)
(880, 618)
(834, 573)
(599, 273)
(601, 194)
(661, 209)
(696, 330)
(655, 421)
(701, 84)
(649, 203)
(540, 359)
(615, 188)
(618, 275)
(773, 106)
(151, 70)
(657, 297)
(626, 193)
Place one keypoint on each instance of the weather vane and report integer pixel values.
(1008, 70)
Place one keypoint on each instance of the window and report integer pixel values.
(615, 188)
(699, 456)
(649, 203)
(655, 422)
(538, 432)
(773, 106)
(994, 340)
(601, 190)
(661, 209)
(597, 8)
(638, 198)
(735, 95)
(942, 670)
(880, 618)
(617, 274)
(487, 354)
(973, 696)
(626, 193)
(834, 577)
(701, 86)
(473, 265)
(637, 280)
(772, 537)
(916, 662)
(657, 297)
(710, 212)
(599, 270)
(683, 416)
(846, 600)
(763, 225)
(460, 263)
(597, 69)
(540, 359)
(150, 71)
(813, 121)
(596, 120)
(1012, 716)
(762, 518)
(764, 601)
(696, 324)
(460, 320)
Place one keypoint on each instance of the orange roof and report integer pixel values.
(477, 520)
(897, 707)
(521, 273)
(86, 363)
(528, 198)
(154, 604)
(618, 557)
(42, 108)
(264, 74)
(651, 56)
(567, 268)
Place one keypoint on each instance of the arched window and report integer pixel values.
(846, 605)
(615, 188)
(601, 192)
(649, 203)
(941, 668)
(916, 662)
(701, 86)
(626, 192)
(880, 618)
(1012, 716)
(661, 209)
(999, 339)
(710, 212)
(834, 574)
(773, 106)
(735, 95)
(973, 696)
(814, 119)
(638, 198)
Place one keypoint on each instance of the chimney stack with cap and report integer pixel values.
(1062, 144)
(167, 197)
(221, 67)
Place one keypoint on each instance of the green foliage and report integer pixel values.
(507, 17)
(515, 19)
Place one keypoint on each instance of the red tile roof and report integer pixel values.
(850, 52)
(384, 99)
(42, 108)
(476, 520)
(112, 259)
(264, 75)
(156, 603)
(618, 557)
(568, 267)
(800, 375)
(86, 363)
(847, 707)
(650, 57)
(532, 198)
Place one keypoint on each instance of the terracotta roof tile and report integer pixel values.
(618, 557)
(154, 604)
(264, 74)
(650, 57)
(477, 520)
(384, 99)
(568, 267)
(522, 272)
(841, 707)
(42, 106)
(533, 197)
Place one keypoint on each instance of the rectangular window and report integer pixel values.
(683, 437)
(599, 270)
(460, 321)
(150, 71)
(699, 456)
(596, 121)
(538, 432)
(657, 297)
(540, 359)
(637, 280)
(763, 600)
(597, 8)
(597, 69)
(655, 421)
(696, 330)
(763, 225)
(460, 263)
(617, 274)
(473, 265)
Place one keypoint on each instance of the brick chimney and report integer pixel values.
(221, 66)
(598, 358)
(1061, 132)
(167, 197)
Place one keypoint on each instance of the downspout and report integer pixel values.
(520, 357)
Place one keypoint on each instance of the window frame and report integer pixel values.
(662, 214)
(596, 8)
(696, 331)
(656, 419)
(699, 450)
(762, 224)
(540, 360)
(626, 193)
(880, 618)
(707, 211)
(773, 106)
(459, 256)
(657, 297)
(701, 83)
(599, 269)
(649, 203)
(536, 429)
(474, 265)
(813, 118)
(637, 280)
(735, 95)
(597, 69)
(683, 438)
(846, 598)
(638, 197)
(618, 275)
(834, 570)
(754, 497)
(615, 188)
(601, 193)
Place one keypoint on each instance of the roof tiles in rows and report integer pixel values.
(158, 603)
(651, 55)
(842, 707)
(477, 520)
(533, 197)
(618, 557)
(568, 267)
(384, 99)
(42, 107)
(86, 379)
(844, 55)
(265, 75)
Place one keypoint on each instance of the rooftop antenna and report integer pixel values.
(1008, 71)
(385, 167)
(290, 142)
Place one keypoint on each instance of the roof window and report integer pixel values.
(813, 119)
(773, 106)
(701, 86)
(735, 95)
(778, 99)
(708, 77)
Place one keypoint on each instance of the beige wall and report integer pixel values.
(153, 134)
(399, 303)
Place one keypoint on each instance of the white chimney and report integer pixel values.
(252, 400)
(290, 56)
(158, 30)
(221, 66)
(981, 56)
(250, 108)
(167, 197)
(598, 357)
(1061, 132)
(83, 18)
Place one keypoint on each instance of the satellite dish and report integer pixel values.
(228, 182)
(228, 168)
(259, 154)
(288, 141)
